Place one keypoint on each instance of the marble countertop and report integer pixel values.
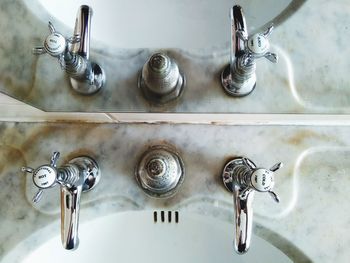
(311, 76)
(316, 167)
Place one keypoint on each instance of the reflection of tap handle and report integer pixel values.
(60, 47)
(45, 176)
(262, 180)
(55, 44)
(258, 45)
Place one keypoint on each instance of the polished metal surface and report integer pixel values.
(241, 177)
(161, 80)
(86, 77)
(79, 175)
(239, 78)
(160, 171)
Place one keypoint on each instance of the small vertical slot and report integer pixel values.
(169, 216)
(176, 217)
(155, 216)
(162, 217)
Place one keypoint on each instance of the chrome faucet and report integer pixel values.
(239, 78)
(243, 178)
(79, 175)
(86, 77)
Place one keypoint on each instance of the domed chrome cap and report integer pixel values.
(160, 171)
(161, 80)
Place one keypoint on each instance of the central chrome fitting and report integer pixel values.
(160, 171)
(161, 80)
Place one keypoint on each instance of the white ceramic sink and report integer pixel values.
(157, 23)
(135, 237)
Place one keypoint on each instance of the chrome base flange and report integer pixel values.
(227, 172)
(237, 89)
(91, 170)
(93, 84)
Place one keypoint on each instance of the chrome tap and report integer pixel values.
(86, 77)
(79, 175)
(239, 78)
(243, 178)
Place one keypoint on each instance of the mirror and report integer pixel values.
(124, 37)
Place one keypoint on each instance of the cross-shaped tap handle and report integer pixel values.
(258, 45)
(262, 180)
(55, 44)
(45, 176)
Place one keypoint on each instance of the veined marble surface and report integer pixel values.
(312, 216)
(311, 76)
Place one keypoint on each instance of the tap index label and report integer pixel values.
(44, 176)
(262, 180)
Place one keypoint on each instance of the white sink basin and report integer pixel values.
(135, 237)
(157, 23)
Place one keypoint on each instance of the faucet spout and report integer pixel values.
(243, 200)
(79, 175)
(70, 206)
(82, 30)
(238, 27)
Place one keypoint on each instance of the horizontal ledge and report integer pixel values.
(188, 118)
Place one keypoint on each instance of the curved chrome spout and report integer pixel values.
(82, 30)
(70, 207)
(238, 24)
(79, 175)
(243, 218)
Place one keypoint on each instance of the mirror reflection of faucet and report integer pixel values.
(241, 177)
(79, 175)
(86, 77)
(238, 78)
(161, 80)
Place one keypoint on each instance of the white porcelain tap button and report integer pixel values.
(258, 44)
(44, 176)
(55, 44)
(262, 180)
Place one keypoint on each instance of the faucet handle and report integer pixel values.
(262, 180)
(257, 45)
(243, 173)
(45, 176)
(55, 44)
